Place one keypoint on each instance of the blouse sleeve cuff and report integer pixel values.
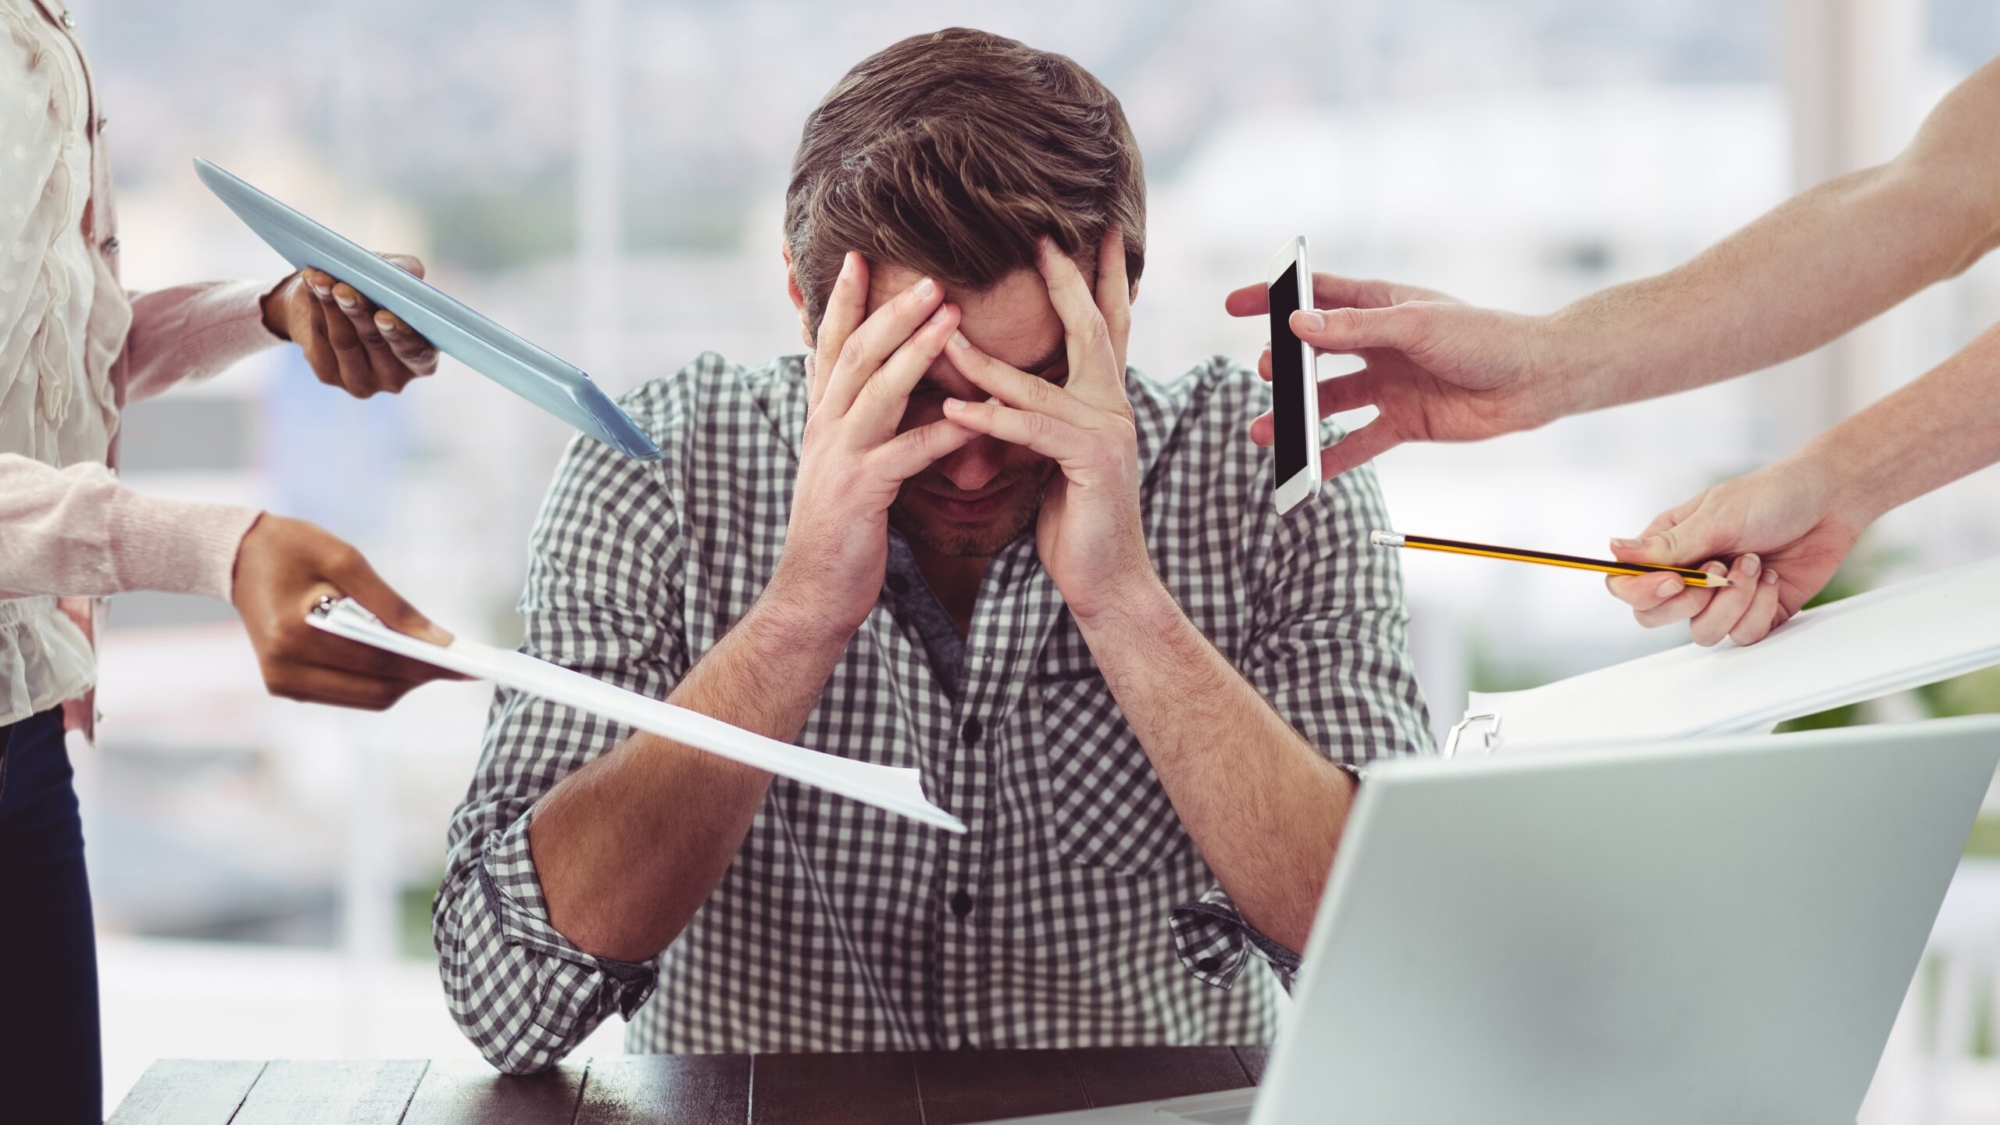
(176, 545)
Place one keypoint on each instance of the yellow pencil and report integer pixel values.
(1515, 554)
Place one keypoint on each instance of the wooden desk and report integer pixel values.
(934, 1088)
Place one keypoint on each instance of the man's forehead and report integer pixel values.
(1012, 320)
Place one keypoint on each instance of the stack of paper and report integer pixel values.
(1861, 648)
(887, 787)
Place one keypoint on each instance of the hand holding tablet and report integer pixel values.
(548, 381)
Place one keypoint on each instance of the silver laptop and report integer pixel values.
(1716, 932)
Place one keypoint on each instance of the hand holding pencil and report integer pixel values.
(1784, 529)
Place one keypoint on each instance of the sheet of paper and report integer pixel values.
(1860, 648)
(896, 789)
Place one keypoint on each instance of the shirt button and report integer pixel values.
(111, 245)
(961, 904)
(898, 585)
(971, 731)
(68, 20)
(1208, 964)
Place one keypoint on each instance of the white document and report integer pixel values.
(898, 790)
(1860, 648)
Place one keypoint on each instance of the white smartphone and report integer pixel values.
(1294, 390)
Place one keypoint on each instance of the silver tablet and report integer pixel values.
(547, 380)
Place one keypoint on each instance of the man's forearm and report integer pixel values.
(629, 847)
(1931, 432)
(1263, 807)
(1803, 274)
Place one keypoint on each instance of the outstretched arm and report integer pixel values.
(1799, 276)
(1788, 526)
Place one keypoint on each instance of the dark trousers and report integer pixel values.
(51, 1069)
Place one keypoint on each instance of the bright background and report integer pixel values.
(606, 177)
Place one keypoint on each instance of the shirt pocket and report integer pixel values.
(1106, 806)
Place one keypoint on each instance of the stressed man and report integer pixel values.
(958, 536)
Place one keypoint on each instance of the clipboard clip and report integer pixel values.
(1488, 732)
(329, 606)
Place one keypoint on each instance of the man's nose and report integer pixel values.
(974, 465)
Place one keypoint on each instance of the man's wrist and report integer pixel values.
(799, 613)
(1857, 489)
(1141, 608)
(1569, 372)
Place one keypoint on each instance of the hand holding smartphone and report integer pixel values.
(1294, 390)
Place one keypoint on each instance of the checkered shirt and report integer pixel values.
(1076, 912)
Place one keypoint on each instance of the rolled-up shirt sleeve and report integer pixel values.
(601, 598)
(1330, 652)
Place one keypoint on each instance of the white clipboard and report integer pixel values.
(1864, 647)
(896, 789)
(543, 378)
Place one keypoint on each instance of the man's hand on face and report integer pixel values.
(851, 460)
(1089, 532)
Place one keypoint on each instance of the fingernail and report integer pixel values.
(1310, 320)
(959, 341)
(384, 322)
(1628, 544)
(847, 265)
(1716, 569)
(1669, 588)
(347, 301)
(1750, 564)
(1770, 578)
(954, 405)
(926, 288)
(938, 317)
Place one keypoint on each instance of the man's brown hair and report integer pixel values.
(951, 153)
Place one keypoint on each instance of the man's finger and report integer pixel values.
(1330, 291)
(884, 398)
(1725, 610)
(1093, 373)
(1017, 388)
(878, 337)
(1114, 291)
(917, 449)
(1357, 449)
(1403, 328)
(846, 306)
(1052, 438)
(1250, 300)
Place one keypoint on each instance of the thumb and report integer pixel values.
(359, 581)
(1687, 543)
(408, 263)
(1401, 327)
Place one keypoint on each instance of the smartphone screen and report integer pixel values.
(1288, 377)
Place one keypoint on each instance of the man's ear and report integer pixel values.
(1135, 292)
(797, 295)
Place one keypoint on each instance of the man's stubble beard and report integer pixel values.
(960, 542)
